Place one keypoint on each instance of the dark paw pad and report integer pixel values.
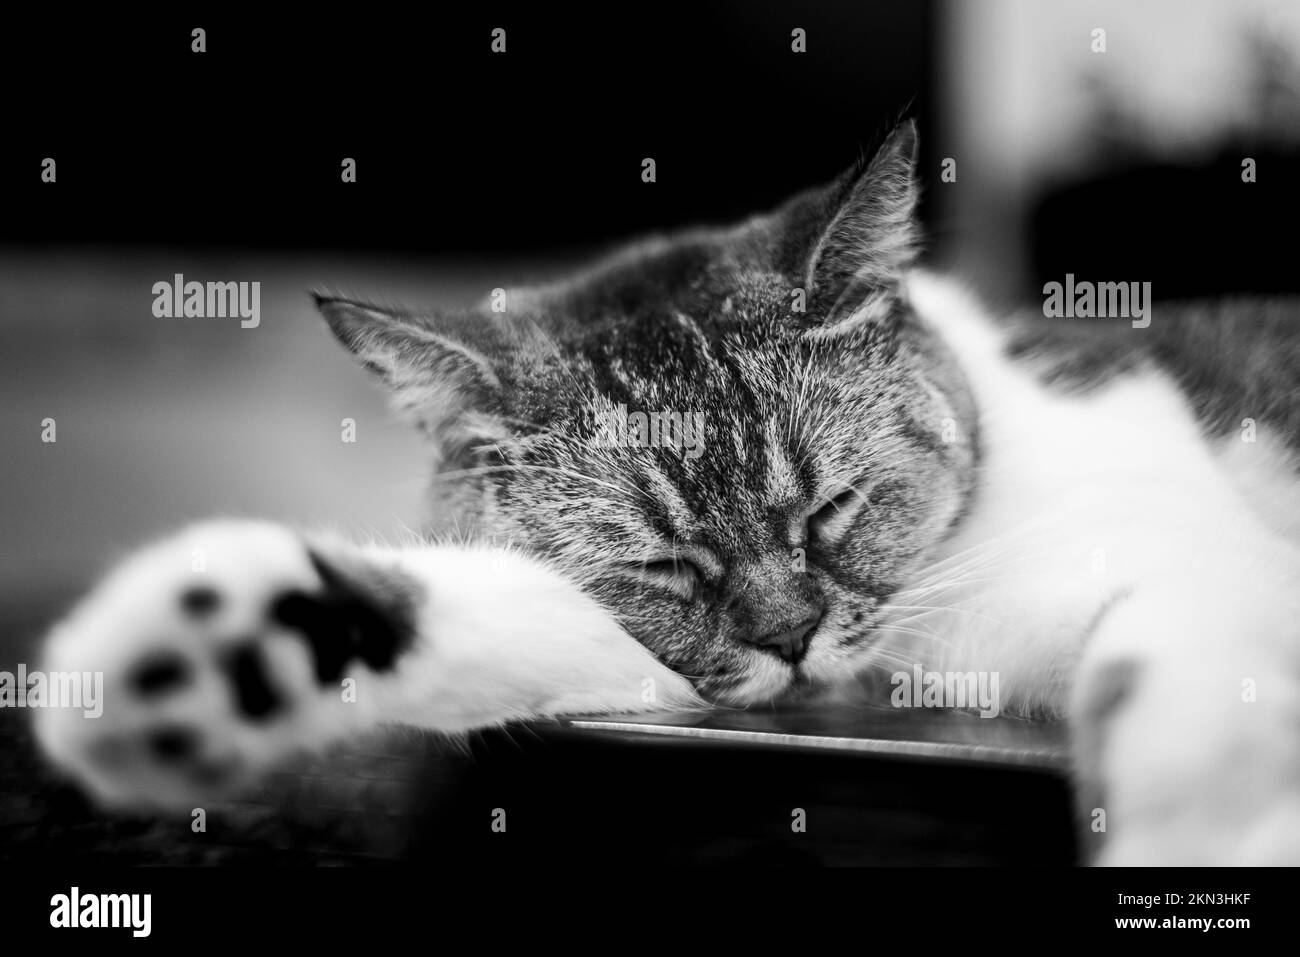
(363, 613)
(255, 696)
(174, 744)
(200, 601)
(159, 673)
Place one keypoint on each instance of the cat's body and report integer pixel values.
(889, 476)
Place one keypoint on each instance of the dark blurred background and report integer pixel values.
(478, 170)
(459, 150)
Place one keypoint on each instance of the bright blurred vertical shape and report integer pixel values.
(1025, 98)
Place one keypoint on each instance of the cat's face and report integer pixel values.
(739, 441)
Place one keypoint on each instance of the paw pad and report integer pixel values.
(351, 619)
(173, 744)
(197, 661)
(200, 601)
(256, 697)
(159, 673)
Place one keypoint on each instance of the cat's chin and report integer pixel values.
(767, 684)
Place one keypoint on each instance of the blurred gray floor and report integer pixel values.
(164, 421)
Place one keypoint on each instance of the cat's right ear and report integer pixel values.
(432, 377)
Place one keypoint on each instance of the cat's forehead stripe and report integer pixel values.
(781, 478)
(666, 495)
(739, 442)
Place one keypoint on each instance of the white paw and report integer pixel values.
(222, 651)
(1188, 773)
(1203, 834)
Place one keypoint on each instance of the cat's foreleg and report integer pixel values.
(228, 648)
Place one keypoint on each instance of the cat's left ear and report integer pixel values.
(872, 235)
(443, 383)
(404, 350)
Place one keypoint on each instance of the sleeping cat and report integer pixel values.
(883, 475)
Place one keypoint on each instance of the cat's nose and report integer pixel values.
(792, 643)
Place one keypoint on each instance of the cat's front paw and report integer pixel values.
(218, 653)
(1181, 767)
(1206, 835)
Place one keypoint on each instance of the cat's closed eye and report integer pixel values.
(681, 575)
(832, 516)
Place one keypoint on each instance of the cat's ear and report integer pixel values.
(447, 387)
(871, 236)
(404, 350)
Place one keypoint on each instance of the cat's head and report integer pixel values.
(739, 440)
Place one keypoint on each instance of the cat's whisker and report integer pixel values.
(939, 609)
(898, 627)
(980, 559)
(996, 546)
(878, 657)
(938, 587)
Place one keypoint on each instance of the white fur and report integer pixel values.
(1107, 531)
(1080, 499)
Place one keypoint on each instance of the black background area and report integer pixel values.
(458, 149)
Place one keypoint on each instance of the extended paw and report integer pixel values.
(222, 651)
